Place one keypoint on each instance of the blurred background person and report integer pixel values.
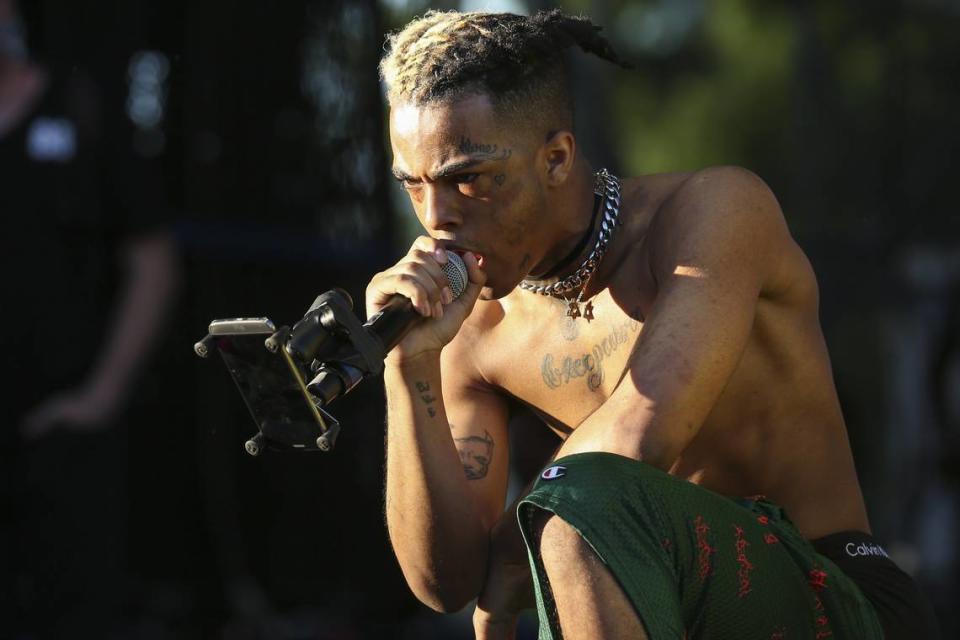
(90, 273)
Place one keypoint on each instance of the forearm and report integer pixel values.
(435, 526)
(152, 276)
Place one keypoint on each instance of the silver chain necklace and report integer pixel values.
(608, 187)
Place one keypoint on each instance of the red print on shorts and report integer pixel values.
(743, 573)
(770, 538)
(822, 622)
(703, 558)
(763, 520)
(818, 579)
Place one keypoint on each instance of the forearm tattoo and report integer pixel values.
(476, 453)
(423, 388)
(560, 371)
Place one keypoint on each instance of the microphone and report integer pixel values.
(369, 344)
(398, 316)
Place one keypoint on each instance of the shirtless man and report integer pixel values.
(688, 370)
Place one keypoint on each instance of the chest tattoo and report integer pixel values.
(558, 371)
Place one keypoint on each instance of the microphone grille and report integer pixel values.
(456, 272)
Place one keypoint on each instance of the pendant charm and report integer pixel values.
(573, 309)
(588, 311)
(568, 328)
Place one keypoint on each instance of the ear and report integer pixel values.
(559, 153)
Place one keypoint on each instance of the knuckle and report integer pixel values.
(409, 270)
(420, 256)
(425, 243)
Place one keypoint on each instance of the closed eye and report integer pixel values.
(408, 183)
(464, 178)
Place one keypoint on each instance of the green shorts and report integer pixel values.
(693, 563)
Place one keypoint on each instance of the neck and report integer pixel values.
(574, 214)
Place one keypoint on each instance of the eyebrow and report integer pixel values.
(445, 171)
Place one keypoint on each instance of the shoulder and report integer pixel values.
(718, 216)
(733, 196)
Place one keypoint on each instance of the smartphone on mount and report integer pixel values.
(272, 385)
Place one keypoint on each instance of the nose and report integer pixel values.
(439, 209)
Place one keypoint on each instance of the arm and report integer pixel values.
(446, 476)
(717, 246)
(446, 435)
(152, 276)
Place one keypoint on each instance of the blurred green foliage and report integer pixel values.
(720, 100)
(850, 110)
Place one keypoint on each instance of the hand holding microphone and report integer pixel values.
(415, 307)
(419, 284)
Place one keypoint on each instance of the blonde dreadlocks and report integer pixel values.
(517, 60)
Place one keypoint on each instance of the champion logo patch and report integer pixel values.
(553, 473)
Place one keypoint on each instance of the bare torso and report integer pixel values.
(776, 428)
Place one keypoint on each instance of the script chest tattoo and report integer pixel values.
(558, 371)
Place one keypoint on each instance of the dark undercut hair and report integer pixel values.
(518, 61)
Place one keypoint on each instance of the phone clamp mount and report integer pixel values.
(329, 347)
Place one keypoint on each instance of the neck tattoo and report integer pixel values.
(608, 187)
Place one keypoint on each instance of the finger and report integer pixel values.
(415, 287)
(397, 281)
(431, 245)
(474, 273)
(430, 277)
(428, 261)
(476, 278)
(424, 267)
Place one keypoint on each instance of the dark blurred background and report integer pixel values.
(167, 163)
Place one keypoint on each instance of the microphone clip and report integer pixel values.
(338, 348)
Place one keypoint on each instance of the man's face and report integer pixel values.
(473, 184)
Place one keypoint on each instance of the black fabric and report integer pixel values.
(74, 194)
(904, 612)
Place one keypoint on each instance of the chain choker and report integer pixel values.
(607, 186)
